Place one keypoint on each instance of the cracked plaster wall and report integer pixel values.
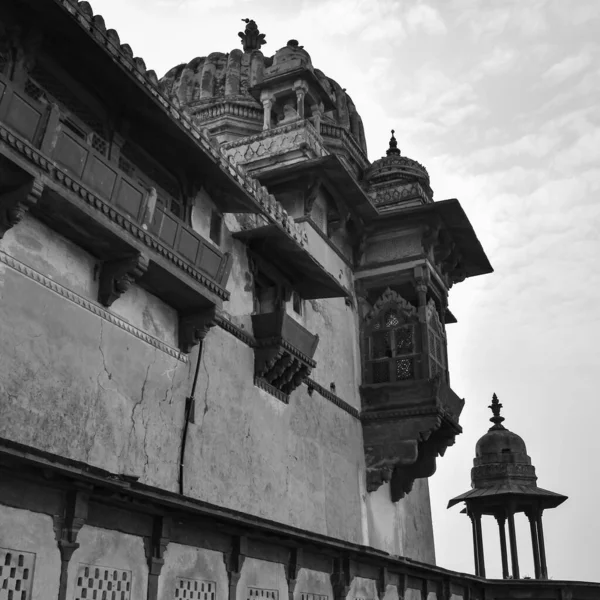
(76, 385)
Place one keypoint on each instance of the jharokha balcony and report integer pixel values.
(67, 181)
(284, 352)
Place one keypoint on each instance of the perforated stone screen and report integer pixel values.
(102, 583)
(195, 589)
(16, 574)
(254, 593)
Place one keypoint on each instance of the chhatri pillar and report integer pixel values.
(503, 483)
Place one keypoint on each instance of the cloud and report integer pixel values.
(568, 67)
(426, 18)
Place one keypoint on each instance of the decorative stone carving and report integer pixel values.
(66, 529)
(193, 328)
(156, 546)
(117, 276)
(292, 567)
(408, 418)
(15, 203)
(252, 38)
(234, 561)
(284, 350)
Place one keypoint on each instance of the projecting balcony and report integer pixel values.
(283, 356)
(87, 198)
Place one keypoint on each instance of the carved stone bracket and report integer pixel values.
(284, 350)
(292, 567)
(341, 577)
(383, 580)
(234, 561)
(193, 328)
(117, 276)
(156, 546)
(66, 529)
(15, 203)
(406, 426)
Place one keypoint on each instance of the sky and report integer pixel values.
(500, 100)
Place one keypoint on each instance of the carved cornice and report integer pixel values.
(279, 341)
(90, 306)
(229, 108)
(263, 384)
(311, 384)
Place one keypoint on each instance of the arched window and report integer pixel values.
(392, 344)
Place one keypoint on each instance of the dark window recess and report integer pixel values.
(4, 61)
(216, 227)
(297, 303)
(32, 89)
(74, 128)
(269, 294)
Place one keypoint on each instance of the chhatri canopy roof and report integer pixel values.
(502, 473)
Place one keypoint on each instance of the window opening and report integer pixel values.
(297, 303)
(216, 226)
(392, 348)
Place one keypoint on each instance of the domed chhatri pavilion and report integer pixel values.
(503, 484)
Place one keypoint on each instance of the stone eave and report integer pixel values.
(454, 218)
(308, 276)
(332, 169)
(240, 193)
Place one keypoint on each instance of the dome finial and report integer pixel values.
(252, 39)
(496, 406)
(393, 149)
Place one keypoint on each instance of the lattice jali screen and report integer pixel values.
(195, 589)
(254, 593)
(307, 596)
(102, 583)
(16, 574)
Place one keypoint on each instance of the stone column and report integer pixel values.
(300, 87)
(534, 544)
(480, 554)
(475, 540)
(542, 546)
(504, 554)
(317, 113)
(267, 103)
(513, 544)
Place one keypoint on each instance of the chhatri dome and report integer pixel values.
(503, 483)
(230, 83)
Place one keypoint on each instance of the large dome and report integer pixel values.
(205, 83)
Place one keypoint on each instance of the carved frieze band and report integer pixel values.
(90, 306)
(313, 385)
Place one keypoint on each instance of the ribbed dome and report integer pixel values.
(228, 77)
(394, 167)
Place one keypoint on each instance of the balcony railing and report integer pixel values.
(100, 195)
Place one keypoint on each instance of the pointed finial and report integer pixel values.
(252, 39)
(496, 406)
(393, 149)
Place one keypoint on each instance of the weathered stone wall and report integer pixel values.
(108, 387)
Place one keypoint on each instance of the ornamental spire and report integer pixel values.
(496, 419)
(393, 149)
(252, 38)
